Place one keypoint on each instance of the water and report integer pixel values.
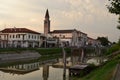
(32, 71)
(96, 61)
(37, 70)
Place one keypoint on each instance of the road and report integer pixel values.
(117, 74)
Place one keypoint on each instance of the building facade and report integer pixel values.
(71, 37)
(93, 42)
(20, 37)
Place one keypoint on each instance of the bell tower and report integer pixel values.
(47, 23)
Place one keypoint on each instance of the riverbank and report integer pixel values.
(18, 54)
(42, 51)
(103, 72)
(6, 57)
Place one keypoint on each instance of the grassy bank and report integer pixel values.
(103, 72)
(52, 53)
(113, 48)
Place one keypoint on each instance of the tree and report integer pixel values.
(114, 8)
(104, 41)
(119, 42)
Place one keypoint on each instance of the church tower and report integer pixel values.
(47, 23)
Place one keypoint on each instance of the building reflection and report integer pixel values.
(45, 72)
(25, 68)
(21, 68)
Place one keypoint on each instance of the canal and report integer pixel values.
(41, 70)
(38, 70)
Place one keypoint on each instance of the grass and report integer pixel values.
(49, 51)
(114, 48)
(52, 53)
(105, 71)
(102, 73)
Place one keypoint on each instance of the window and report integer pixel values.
(18, 35)
(55, 36)
(13, 36)
(38, 37)
(23, 37)
(10, 36)
(29, 36)
(63, 36)
(5, 36)
(60, 35)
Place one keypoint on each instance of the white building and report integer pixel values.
(71, 37)
(93, 42)
(20, 37)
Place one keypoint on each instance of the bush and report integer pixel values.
(114, 48)
(119, 42)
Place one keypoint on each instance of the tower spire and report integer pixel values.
(47, 14)
(46, 23)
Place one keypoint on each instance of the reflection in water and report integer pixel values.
(45, 72)
(32, 71)
(21, 68)
(37, 70)
(97, 60)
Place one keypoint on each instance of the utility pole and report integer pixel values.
(82, 55)
(64, 58)
(64, 61)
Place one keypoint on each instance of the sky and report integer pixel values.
(89, 16)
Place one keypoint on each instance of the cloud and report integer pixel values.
(90, 16)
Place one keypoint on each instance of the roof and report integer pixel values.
(18, 30)
(81, 66)
(91, 38)
(83, 33)
(63, 31)
(47, 14)
(67, 31)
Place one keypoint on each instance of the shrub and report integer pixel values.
(114, 48)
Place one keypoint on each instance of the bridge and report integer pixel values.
(83, 54)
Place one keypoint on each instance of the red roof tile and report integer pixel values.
(18, 30)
